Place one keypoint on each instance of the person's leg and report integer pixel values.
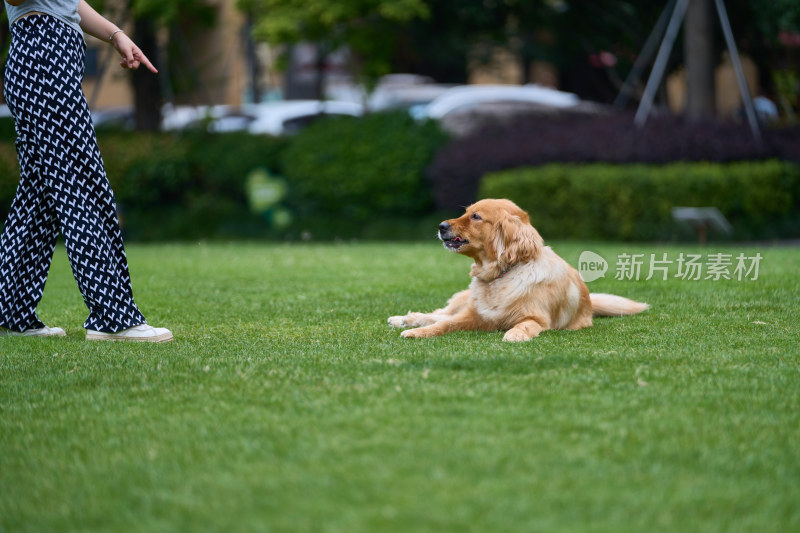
(74, 175)
(86, 208)
(26, 248)
(31, 228)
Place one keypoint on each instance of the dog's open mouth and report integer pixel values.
(454, 243)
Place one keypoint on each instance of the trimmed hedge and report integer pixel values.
(530, 141)
(190, 186)
(633, 202)
(359, 169)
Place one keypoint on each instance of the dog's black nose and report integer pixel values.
(444, 227)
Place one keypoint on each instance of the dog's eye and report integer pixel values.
(476, 216)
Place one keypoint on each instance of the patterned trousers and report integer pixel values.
(63, 186)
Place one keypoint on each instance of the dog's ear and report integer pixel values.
(516, 241)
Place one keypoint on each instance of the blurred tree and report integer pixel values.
(148, 17)
(769, 32)
(456, 32)
(581, 28)
(760, 28)
(571, 35)
(363, 26)
(772, 16)
(568, 34)
(700, 58)
(5, 41)
(592, 43)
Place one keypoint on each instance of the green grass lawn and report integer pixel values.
(287, 404)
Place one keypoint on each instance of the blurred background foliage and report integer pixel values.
(633, 202)
(442, 38)
(366, 27)
(387, 176)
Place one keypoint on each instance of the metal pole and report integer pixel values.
(644, 58)
(737, 67)
(661, 63)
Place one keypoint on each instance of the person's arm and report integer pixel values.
(97, 26)
(15, 3)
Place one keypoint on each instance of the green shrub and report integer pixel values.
(190, 186)
(634, 202)
(9, 177)
(7, 130)
(362, 168)
(173, 187)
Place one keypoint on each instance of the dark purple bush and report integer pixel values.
(534, 140)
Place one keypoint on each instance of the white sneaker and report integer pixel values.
(140, 333)
(34, 332)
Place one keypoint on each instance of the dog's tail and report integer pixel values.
(611, 305)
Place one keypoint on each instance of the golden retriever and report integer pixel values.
(519, 285)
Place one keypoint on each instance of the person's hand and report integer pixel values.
(132, 56)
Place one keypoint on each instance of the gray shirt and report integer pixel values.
(64, 10)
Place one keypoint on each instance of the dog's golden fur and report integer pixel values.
(519, 285)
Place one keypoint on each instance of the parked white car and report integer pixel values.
(289, 116)
(406, 96)
(114, 117)
(183, 117)
(468, 96)
(172, 117)
(273, 118)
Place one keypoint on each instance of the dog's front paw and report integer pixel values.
(515, 335)
(417, 333)
(397, 321)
